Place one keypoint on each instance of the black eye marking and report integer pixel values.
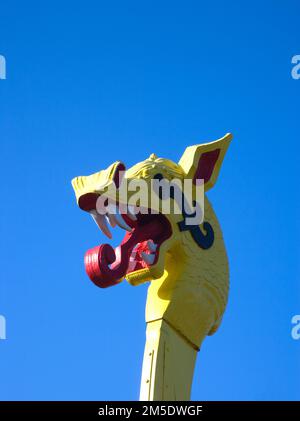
(158, 176)
(160, 191)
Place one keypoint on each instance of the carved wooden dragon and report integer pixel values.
(186, 264)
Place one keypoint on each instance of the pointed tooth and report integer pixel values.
(151, 245)
(101, 222)
(117, 219)
(121, 222)
(148, 258)
(111, 211)
(131, 213)
(111, 221)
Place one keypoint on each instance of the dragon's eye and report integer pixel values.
(159, 188)
(158, 176)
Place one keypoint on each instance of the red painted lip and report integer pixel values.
(106, 266)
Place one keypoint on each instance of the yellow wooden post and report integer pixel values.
(168, 366)
(186, 264)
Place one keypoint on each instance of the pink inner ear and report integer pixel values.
(206, 165)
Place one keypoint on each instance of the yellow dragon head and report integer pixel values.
(186, 262)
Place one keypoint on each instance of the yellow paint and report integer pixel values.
(191, 296)
(168, 365)
(189, 286)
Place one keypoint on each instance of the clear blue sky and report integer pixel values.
(92, 82)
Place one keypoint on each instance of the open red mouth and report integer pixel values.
(138, 250)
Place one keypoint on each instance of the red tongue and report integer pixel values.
(99, 261)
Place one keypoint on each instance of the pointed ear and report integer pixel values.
(204, 161)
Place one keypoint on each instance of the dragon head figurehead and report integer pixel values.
(186, 262)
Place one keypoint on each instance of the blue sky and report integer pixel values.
(89, 83)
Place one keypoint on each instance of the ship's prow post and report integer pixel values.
(168, 365)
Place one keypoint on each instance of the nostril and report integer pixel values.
(119, 174)
(87, 202)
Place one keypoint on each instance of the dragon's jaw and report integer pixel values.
(139, 257)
